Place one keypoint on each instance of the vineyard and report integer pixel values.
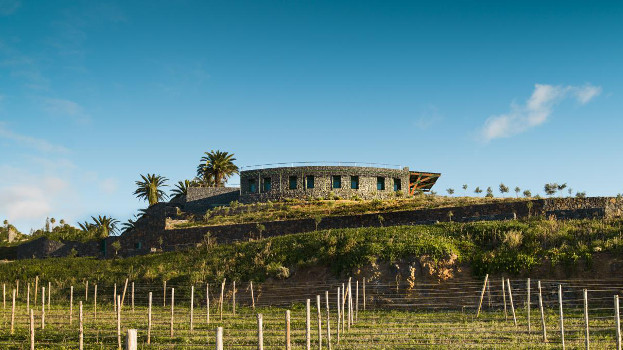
(494, 313)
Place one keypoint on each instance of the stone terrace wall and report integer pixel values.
(562, 208)
(199, 199)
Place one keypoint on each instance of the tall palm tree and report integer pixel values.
(105, 224)
(181, 188)
(150, 188)
(217, 166)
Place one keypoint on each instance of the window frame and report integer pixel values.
(397, 184)
(354, 180)
(296, 184)
(307, 182)
(264, 183)
(338, 182)
(252, 185)
(380, 183)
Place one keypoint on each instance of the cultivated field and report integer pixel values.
(395, 316)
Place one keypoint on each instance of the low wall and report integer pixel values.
(199, 199)
(157, 238)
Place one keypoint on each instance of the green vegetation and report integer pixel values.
(215, 168)
(237, 213)
(512, 247)
(150, 188)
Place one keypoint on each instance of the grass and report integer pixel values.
(317, 208)
(506, 247)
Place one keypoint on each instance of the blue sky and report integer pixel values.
(92, 94)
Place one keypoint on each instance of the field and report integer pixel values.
(395, 317)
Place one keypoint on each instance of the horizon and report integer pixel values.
(92, 95)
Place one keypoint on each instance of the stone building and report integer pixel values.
(346, 182)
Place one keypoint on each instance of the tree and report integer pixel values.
(503, 189)
(527, 193)
(464, 187)
(489, 193)
(181, 188)
(562, 187)
(580, 194)
(450, 191)
(550, 189)
(105, 225)
(128, 225)
(62, 222)
(477, 190)
(116, 245)
(517, 190)
(52, 222)
(150, 188)
(217, 166)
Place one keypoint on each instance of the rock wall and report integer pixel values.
(199, 199)
(158, 238)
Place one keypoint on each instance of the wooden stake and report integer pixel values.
(219, 338)
(130, 340)
(350, 304)
(164, 294)
(326, 294)
(13, 313)
(356, 300)
(36, 289)
(343, 301)
(617, 319)
(260, 333)
(49, 293)
(504, 299)
(233, 299)
(221, 300)
(307, 325)
(562, 324)
(95, 303)
(172, 309)
(125, 288)
(489, 293)
(71, 304)
(81, 344)
(28, 298)
(364, 294)
(586, 335)
(319, 322)
(288, 346)
(482, 294)
(118, 322)
(510, 300)
(339, 317)
(114, 294)
(192, 306)
(207, 303)
(32, 330)
(17, 288)
(542, 313)
(149, 320)
(43, 308)
(132, 297)
(252, 298)
(528, 304)
(86, 291)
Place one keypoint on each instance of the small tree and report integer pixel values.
(450, 191)
(381, 220)
(503, 189)
(465, 187)
(477, 190)
(260, 228)
(517, 190)
(489, 193)
(580, 194)
(527, 193)
(116, 245)
(550, 189)
(450, 215)
(562, 187)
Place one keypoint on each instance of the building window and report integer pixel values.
(310, 181)
(252, 186)
(380, 183)
(266, 184)
(138, 245)
(337, 181)
(354, 182)
(292, 182)
(397, 185)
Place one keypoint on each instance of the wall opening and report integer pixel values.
(310, 181)
(252, 186)
(354, 182)
(397, 185)
(336, 181)
(292, 181)
(267, 184)
(380, 183)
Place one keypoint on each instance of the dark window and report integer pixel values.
(354, 182)
(397, 185)
(293, 182)
(337, 181)
(266, 184)
(138, 245)
(380, 183)
(252, 186)
(310, 181)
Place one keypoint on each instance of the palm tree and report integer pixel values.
(86, 226)
(106, 224)
(181, 188)
(129, 225)
(517, 190)
(149, 188)
(216, 166)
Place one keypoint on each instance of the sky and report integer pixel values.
(95, 93)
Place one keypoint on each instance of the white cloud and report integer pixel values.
(32, 142)
(108, 186)
(65, 108)
(537, 109)
(24, 202)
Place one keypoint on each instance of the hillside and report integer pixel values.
(438, 252)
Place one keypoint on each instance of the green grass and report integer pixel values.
(510, 247)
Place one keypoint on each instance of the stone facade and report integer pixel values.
(343, 181)
(199, 199)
